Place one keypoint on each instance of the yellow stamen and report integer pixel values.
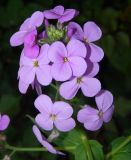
(100, 114)
(79, 80)
(53, 117)
(65, 59)
(36, 64)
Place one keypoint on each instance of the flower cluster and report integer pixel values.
(65, 53)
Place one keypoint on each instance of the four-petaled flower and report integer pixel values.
(38, 68)
(59, 13)
(4, 122)
(94, 118)
(90, 33)
(56, 114)
(67, 61)
(28, 25)
(89, 85)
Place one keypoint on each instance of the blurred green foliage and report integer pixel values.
(114, 18)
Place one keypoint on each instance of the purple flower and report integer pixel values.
(29, 25)
(90, 33)
(94, 118)
(57, 114)
(4, 122)
(31, 48)
(90, 86)
(35, 68)
(44, 141)
(67, 61)
(59, 13)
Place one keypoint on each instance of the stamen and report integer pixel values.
(79, 80)
(100, 114)
(53, 117)
(65, 59)
(36, 64)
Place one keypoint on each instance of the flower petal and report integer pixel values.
(69, 89)
(90, 86)
(75, 31)
(87, 113)
(27, 74)
(43, 75)
(78, 65)
(92, 31)
(43, 141)
(4, 122)
(97, 53)
(92, 125)
(58, 10)
(65, 125)
(44, 121)
(23, 86)
(76, 48)
(44, 104)
(31, 52)
(62, 110)
(36, 19)
(17, 38)
(67, 16)
(92, 69)
(104, 100)
(25, 25)
(57, 52)
(43, 57)
(107, 115)
(61, 71)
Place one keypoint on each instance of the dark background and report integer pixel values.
(114, 18)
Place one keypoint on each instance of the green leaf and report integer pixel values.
(120, 149)
(97, 150)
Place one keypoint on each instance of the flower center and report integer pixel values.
(65, 59)
(86, 40)
(36, 64)
(100, 114)
(79, 80)
(53, 117)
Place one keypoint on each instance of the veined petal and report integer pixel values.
(90, 86)
(43, 74)
(78, 65)
(62, 110)
(97, 53)
(44, 104)
(104, 100)
(92, 69)
(27, 74)
(92, 32)
(67, 16)
(69, 89)
(65, 125)
(44, 121)
(61, 71)
(76, 48)
(18, 38)
(107, 115)
(57, 52)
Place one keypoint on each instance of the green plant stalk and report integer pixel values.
(87, 146)
(128, 139)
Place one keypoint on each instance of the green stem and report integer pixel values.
(87, 146)
(127, 140)
(26, 149)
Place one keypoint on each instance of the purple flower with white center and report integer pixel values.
(94, 118)
(38, 68)
(67, 61)
(56, 114)
(29, 25)
(4, 122)
(43, 141)
(58, 12)
(31, 48)
(90, 33)
(89, 85)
